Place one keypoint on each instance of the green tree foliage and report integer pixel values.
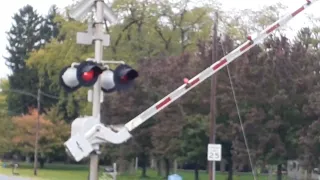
(194, 140)
(151, 28)
(4, 86)
(241, 23)
(5, 122)
(50, 28)
(57, 54)
(49, 31)
(24, 36)
(29, 32)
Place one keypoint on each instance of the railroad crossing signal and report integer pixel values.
(86, 74)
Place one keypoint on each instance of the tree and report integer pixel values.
(61, 134)
(194, 137)
(5, 122)
(4, 86)
(30, 32)
(168, 32)
(49, 31)
(310, 147)
(50, 137)
(24, 37)
(271, 91)
(50, 28)
(119, 109)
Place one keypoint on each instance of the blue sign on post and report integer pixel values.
(174, 177)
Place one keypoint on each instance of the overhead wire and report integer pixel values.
(31, 95)
(16, 109)
(50, 95)
(240, 118)
(59, 98)
(35, 96)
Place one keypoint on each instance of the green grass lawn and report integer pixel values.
(80, 172)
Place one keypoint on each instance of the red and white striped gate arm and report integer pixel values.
(183, 89)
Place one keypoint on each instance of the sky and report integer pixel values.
(42, 6)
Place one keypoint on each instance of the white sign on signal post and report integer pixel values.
(214, 152)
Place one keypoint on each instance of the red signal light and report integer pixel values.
(124, 79)
(124, 76)
(88, 76)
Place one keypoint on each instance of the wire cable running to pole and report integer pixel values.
(16, 109)
(240, 119)
(50, 96)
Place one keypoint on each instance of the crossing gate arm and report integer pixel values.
(183, 89)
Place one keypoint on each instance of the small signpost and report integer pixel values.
(214, 152)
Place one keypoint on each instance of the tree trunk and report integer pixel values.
(230, 170)
(132, 166)
(48, 159)
(122, 165)
(167, 166)
(175, 166)
(144, 170)
(28, 159)
(41, 161)
(162, 168)
(136, 164)
(67, 160)
(309, 174)
(279, 172)
(270, 169)
(196, 171)
(223, 165)
(143, 161)
(153, 164)
(158, 167)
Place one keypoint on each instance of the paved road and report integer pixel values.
(3, 177)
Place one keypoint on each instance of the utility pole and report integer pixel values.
(35, 165)
(212, 166)
(94, 158)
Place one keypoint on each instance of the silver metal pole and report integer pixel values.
(213, 170)
(94, 159)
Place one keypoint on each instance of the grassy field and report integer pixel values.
(79, 172)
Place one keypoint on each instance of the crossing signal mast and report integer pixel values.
(82, 143)
(94, 72)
